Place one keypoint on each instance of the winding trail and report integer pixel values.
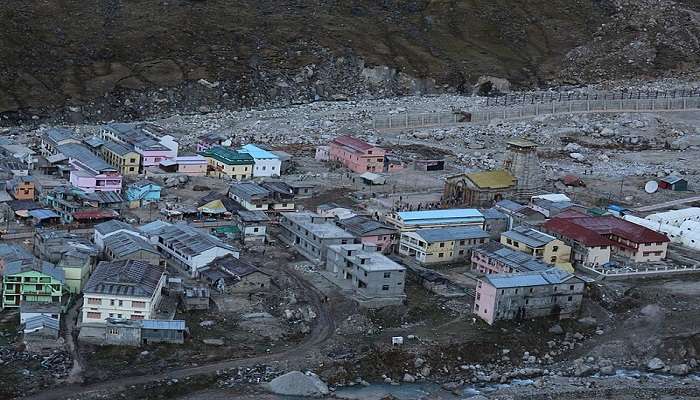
(322, 330)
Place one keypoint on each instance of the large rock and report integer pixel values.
(680, 369)
(556, 330)
(489, 84)
(655, 364)
(297, 383)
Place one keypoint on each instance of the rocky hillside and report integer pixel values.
(105, 59)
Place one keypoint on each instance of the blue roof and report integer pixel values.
(258, 153)
(43, 214)
(551, 276)
(510, 205)
(492, 213)
(456, 233)
(176, 325)
(436, 216)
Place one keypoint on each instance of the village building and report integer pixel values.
(310, 234)
(356, 155)
(370, 277)
(252, 225)
(123, 158)
(191, 247)
(11, 253)
(162, 331)
(142, 193)
(302, 189)
(29, 310)
(230, 275)
(371, 232)
(145, 139)
(90, 172)
(441, 245)
(31, 281)
(534, 294)
(479, 189)
(267, 163)
(539, 245)
(109, 228)
(72, 253)
(267, 196)
(127, 246)
(674, 183)
(54, 137)
(592, 239)
(519, 214)
(195, 297)
(124, 289)
(18, 152)
(407, 221)
(495, 222)
(194, 165)
(286, 160)
(495, 258)
(323, 153)
(21, 187)
(40, 334)
(224, 161)
(212, 139)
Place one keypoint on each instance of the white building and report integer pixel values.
(109, 228)
(676, 217)
(266, 162)
(125, 289)
(192, 247)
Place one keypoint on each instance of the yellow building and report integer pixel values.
(121, 157)
(539, 245)
(225, 161)
(441, 245)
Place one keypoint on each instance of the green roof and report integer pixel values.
(499, 179)
(228, 156)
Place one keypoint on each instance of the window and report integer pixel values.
(509, 241)
(570, 298)
(461, 242)
(92, 300)
(131, 169)
(134, 316)
(441, 255)
(478, 296)
(531, 290)
(482, 240)
(476, 307)
(119, 316)
(111, 315)
(138, 304)
(553, 259)
(385, 287)
(442, 244)
(387, 275)
(571, 287)
(121, 303)
(94, 315)
(516, 291)
(461, 252)
(264, 168)
(113, 331)
(555, 248)
(132, 160)
(111, 302)
(256, 229)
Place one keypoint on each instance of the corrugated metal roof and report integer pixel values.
(123, 244)
(117, 148)
(43, 214)
(500, 179)
(514, 259)
(253, 216)
(453, 233)
(672, 179)
(551, 276)
(454, 215)
(228, 156)
(174, 325)
(352, 143)
(360, 226)
(81, 154)
(249, 190)
(113, 226)
(125, 277)
(258, 153)
(38, 322)
(189, 240)
(528, 236)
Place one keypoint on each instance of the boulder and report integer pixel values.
(588, 321)
(577, 156)
(297, 383)
(213, 342)
(556, 330)
(680, 369)
(655, 364)
(409, 378)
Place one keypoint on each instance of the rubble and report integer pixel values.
(297, 383)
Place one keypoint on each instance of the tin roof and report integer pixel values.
(453, 215)
(499, 179)
(551, 276)
(249, 190)
(352, 143)
(113, 225)
(123, 244)
(96, 213)
(117, 148)
(228, 156)
(528, 236)
(42, 214)
(252, 216)
(82, 155)
(164, 325)
(671, 180)
(516, 260)
(38, 322)
(258, 153)
(189, 240)
(363, 226)
(594, 231)
(125, 278)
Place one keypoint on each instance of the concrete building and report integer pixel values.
(127, 246)
(267, 196)
(142, 193)
(20, 153)
(495, 222)
(592, 238)
(371, 232)
(126, 160)
(29, 310)
(441, 245)
(525, 295)
(230, 275)
(159, 331)
(311, 234)
(31, 281)
(54, 137)
(253, 225)
(407, 221)
(479, 189)
(522, 162)
(191, 247)
(372, 278)
(72, 253)
(539, 245)
(195, 165)
(109, 228)
(10, 253)
(146, 139)
(125, 289)
(356, 155)
(213, 139)
(224, 161)
(674, 183)
(494, 258)
(267, 163)
(90, 172)
(519, 214)
(22, 187)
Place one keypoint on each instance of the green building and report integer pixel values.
(31, 281)
(226, 161)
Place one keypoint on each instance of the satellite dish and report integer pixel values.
(651, 187)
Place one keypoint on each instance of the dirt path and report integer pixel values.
(321, 331)
(70, 320)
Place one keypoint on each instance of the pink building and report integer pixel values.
(371, 232)
(495, 258)
(548, 293)
(145, 139)
(189, 165)
(357, 155)
(90, 172)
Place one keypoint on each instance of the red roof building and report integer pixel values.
(357, 155)
(637, 242)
